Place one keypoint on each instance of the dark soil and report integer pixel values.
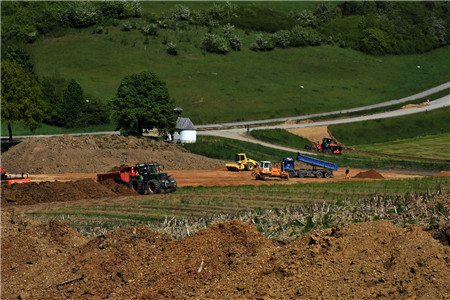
(32, 193)
(369, 174)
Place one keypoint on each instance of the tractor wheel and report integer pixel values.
(153, 186)
(249, 167)
(319, 175)
(291, 174)
(329, 151)
(327, 175)
(136, 185)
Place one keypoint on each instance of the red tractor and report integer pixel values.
(6, 178)
(328, 145)
(145, 178)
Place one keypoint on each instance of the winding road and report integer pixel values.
(225, 130)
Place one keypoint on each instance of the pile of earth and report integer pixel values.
(47, 191)
(369, 174)
(232, 260)
(93, 154)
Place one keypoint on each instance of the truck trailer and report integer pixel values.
(319, 168)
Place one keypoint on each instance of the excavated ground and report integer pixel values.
(95, 154)
(232, 260)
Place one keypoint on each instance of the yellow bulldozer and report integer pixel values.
(242, 163)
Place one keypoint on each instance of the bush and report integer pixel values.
(214, 43)
(126, 26)
(235, 43)
(374, 42)
(262, 43)
(300, 36)
(150, 29)
(172, 49)
(282, 38)
(180, 12)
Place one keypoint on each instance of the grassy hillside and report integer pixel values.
(240, 85)
(391, 129)
(430, 146)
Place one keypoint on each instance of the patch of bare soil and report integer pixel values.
(313, 134)
(232, 260)
(369, 174)
(91, 154)
(414, 105)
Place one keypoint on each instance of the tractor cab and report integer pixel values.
(265, 165)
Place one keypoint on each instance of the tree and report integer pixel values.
(21, 97)
(142, 102)
(71, 108)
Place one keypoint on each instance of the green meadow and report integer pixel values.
(244, 85)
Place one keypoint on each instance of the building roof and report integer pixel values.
(184, 124)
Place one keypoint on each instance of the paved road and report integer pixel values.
(240, 133)
(362, 108)
(220, 129)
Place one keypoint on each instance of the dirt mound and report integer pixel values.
(93, 154)
(369, 174)
(32, 193)
(48, 260)
(443, 174)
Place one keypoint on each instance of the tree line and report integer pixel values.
(373, 27)
(142, 100)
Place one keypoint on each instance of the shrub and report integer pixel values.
(374, 42)
(126, 26)
(172, 49)
(282, 38)
(262, 43)
(228, 30)
(180, 12)
(235, 43)
(149, 29)
(300, 36)
(214, 43)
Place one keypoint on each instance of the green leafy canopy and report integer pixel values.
(142, 102)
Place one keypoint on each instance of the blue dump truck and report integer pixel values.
(319, 168)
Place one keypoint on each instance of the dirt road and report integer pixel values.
(222, 177)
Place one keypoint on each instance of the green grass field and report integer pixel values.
(243, 85)
(280, 137)
(197, 202)
(391, 129)
(430, 146)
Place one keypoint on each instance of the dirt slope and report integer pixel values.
(231, 260)
(91, 154)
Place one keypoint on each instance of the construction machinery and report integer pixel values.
(144, 178)
(10, 180)
(265, 170)
(242, 162)
(328, 145)
(319, 168)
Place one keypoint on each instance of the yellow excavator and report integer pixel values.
(242, 163)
